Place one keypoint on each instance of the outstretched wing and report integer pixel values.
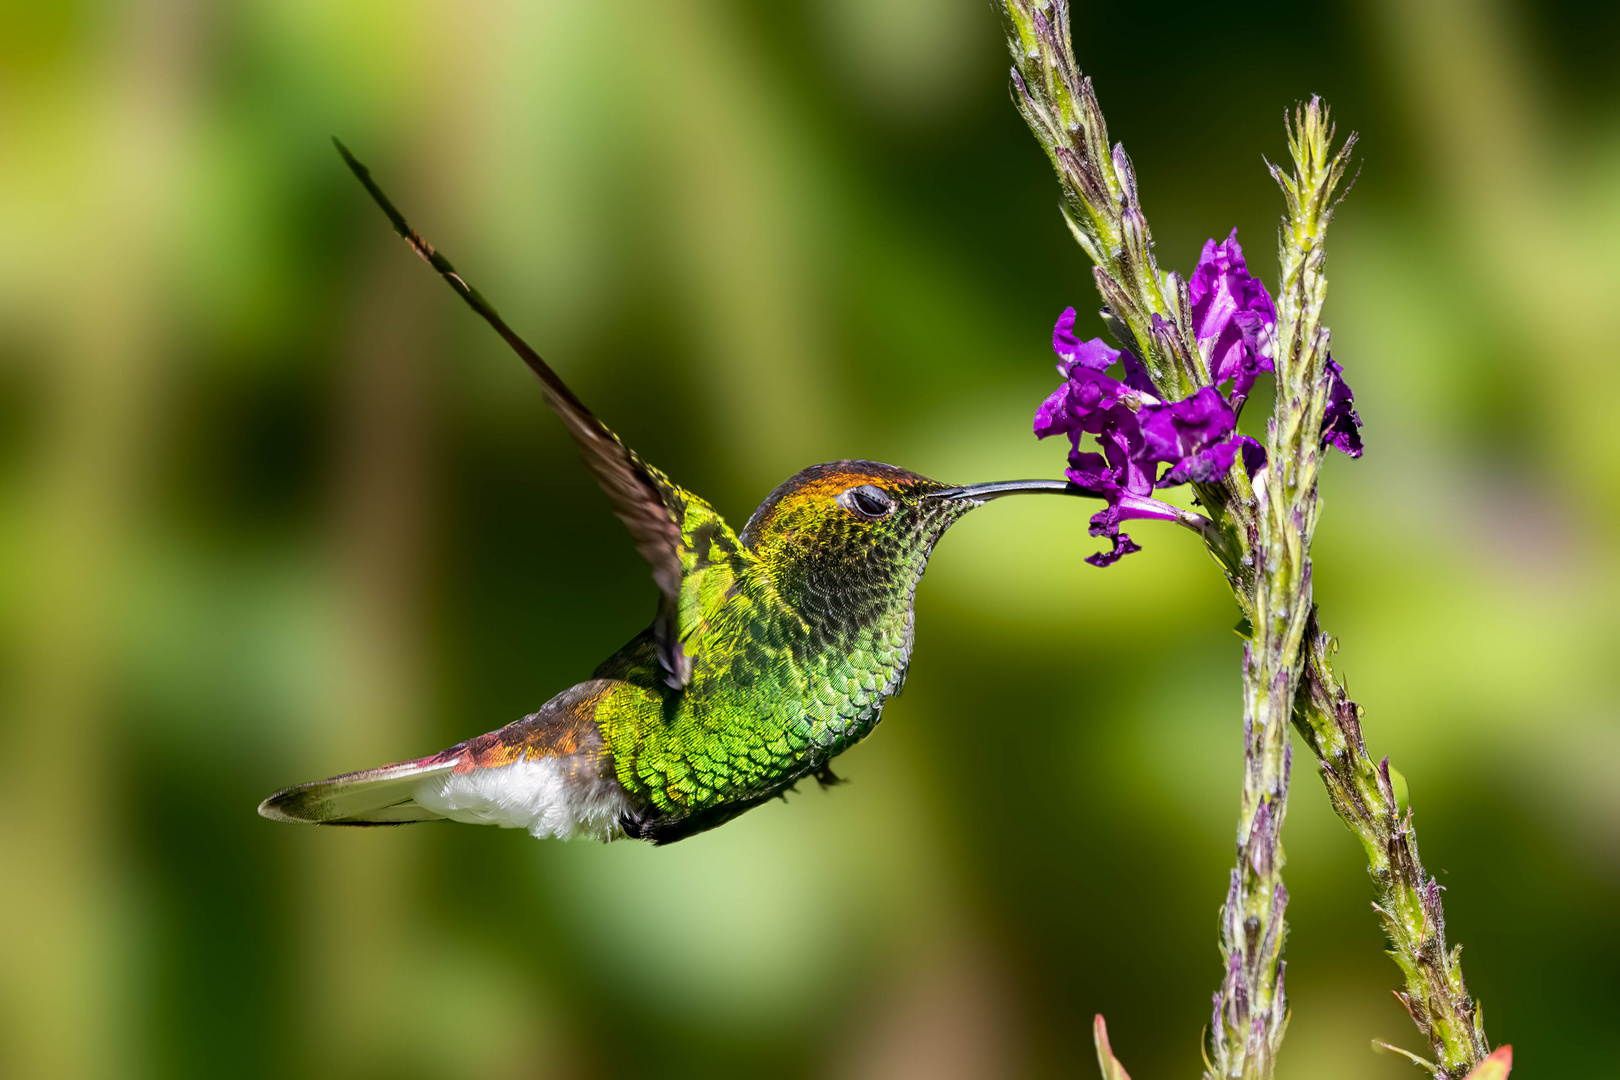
(662, 518)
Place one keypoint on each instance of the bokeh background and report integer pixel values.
(273, 505)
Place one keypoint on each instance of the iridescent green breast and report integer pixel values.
(768, 704)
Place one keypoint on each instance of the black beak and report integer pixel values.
(982, 492)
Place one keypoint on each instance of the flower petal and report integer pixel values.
(1053, 417)
(1203, 467)
(1495, 1067)
(1234, 320)
(1193, 436)
(1091, 472)
(1123, 507)
(1254, 455)
(1123, 546)
(1341, 424)
(1140, 508)
(1094, 354)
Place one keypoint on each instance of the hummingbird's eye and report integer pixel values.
(868, 501)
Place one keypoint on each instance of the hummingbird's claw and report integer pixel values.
(827, 778)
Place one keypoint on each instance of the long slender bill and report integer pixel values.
(981, 492)
(1142, 509)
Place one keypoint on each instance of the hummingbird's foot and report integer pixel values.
(827, 778)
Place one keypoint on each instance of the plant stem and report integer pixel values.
(1408, 901)
(1144, 310)
(1251, 1007)
(1261, 536)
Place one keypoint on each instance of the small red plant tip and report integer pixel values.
(1111, 1068)
(1495, 1067)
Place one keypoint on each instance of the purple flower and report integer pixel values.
(1341, 424)
(1123, 546)
(1234, 322)
(1254, 455)
(1191, 436)
(1109, 410)
(1135, 434)
(1144, 443)
(1126, 507)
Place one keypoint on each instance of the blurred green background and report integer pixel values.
(273, 505)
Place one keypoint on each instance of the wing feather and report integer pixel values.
(654, 509)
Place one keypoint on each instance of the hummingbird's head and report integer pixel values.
(847, 541)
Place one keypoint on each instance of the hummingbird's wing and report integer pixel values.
(674, 530)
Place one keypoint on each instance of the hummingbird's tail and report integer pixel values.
(381, 796)
(548, 773)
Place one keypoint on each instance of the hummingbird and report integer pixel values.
(771, 652)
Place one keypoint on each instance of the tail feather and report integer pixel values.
(547, 773)
(381, 796)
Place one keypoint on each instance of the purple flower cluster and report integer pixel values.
(1193, 440)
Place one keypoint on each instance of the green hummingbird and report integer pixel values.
(772, 651)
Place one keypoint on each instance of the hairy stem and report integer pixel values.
(1251, 1007)
(1408, 901)
(1145, 310)
(1363, 796)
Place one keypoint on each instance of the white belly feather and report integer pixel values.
(547, 796)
